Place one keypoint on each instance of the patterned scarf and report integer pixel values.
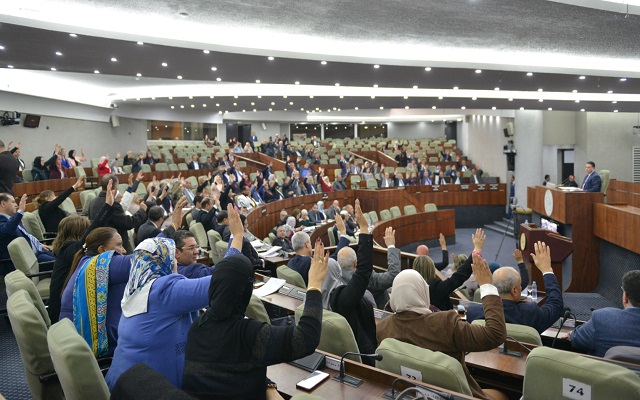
(90, 302)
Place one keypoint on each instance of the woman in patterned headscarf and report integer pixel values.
(158, 308)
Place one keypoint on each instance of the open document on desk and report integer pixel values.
(272, 286)
(272, 252)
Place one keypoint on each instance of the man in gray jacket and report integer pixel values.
(380, 282)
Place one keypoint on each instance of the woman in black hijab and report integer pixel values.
(227, 355)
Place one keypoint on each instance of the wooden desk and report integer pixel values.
(376, 382)
(618, 224)
(420, 226)
(492, 369)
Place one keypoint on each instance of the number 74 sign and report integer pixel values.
(575, 390)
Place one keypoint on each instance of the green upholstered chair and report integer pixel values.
(68, 206)
(173, 167)
(395, 212)
(292, 277)
(385, 215)
(624, 353)
(26, 175)
(429, 207)
(410, 210)
(71, 354)
(183, 166)
(17, 280)
(372, 184)
(256, 310)
(30, 332)
(222, 247)
(522, 333)
(373, 216)
(200, 234)
(336, 336)
(25, 260)
(85, 199)
(549, 372)
(162, 167)
(214, 237)
(435, 367)
(604, 176)
(33, 224)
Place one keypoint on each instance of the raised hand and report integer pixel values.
(517, 255)
(443, 242)
(130, 180)
(23, 202)
(235, 225)
(478, 240)
(340, 224)
(79, 182)
(542, 257)
(481, 270)
(140, 176)
(110, 195)
(390, 237)
(318, 269)
(176, 218)
(360, 218)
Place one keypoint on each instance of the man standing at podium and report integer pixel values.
(592, 182)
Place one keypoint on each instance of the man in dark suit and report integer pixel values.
(476, 176)
(315, 215)
(8, 170)
(254, 139)
(339, 183)
(386, 181)
(508, 282)
(610, 327)
(187, 255)
(151, 228)
(11, 228)
(118, 219)
(592, 182)
(398, 181)
(247, 249)
(194, 164)
(282, 240)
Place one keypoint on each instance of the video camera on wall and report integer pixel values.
(10, 118)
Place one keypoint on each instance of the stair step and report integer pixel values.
(499, 229)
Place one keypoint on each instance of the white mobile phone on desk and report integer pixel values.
(312, 380)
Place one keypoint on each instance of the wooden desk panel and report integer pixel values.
(420, 226)
(618, 224)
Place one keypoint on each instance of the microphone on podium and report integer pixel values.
(350, 380)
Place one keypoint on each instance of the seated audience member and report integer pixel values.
(227, 354)
(304, 220)
(440, 290)
(315, 215)
(386, 181)
(149, 159)
(72, 233)
(247, 248)
(48, 204)
(75, 160)
(40, 168)
(158, 308)
(187, 255)
(325, 182)
(11, 228)
(207, 216)
(57, 170)
(194, 163)
(349, 300)
(103, 166)
(508, 282)
(440, 179)
(379, 282)
(592, 182)
(423, 250)
(414, 323)
(333, 209)
(96, 281)
(223, 223)
(476, 176)
(151, 228)
(282, 240)
(572, 182)
(610, 327)
(547, 179)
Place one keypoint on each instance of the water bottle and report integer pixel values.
(534, 291)
(526, 222)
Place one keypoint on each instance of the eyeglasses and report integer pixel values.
(190, 248)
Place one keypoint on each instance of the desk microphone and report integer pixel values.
(511, 353)
(563, 320)
(350, 380)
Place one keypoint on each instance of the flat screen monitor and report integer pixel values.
(548, 225)
(31, 121)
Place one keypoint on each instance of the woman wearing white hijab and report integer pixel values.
(414, 323)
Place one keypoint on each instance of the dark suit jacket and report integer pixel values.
(608, 327)
(149, 230)
(8, 170)
(191, 165)
(284, 243)
(118, 219)
(316, 217)
(593, 184)
(9, 231)
(301, 264)
(529, 313)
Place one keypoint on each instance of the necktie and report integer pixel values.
(585, 181)
(35, 244)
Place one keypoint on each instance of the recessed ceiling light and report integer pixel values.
(427, 68)
(170, 98)
(406, 107)
(190, 97)
(257, 80)
(217, 104)
(574, 91)
(153, 98)
(433, 107)
(463, 108)
(138, 74)
(273, 103)
(406, 97)
(57, 53)
(53, 69)
(311, 97)
(297, 82)
(284, 97)
(382, 108)
(615, 110)
(181, 106)
(415, 86)
(582, 77)
(179, 77)
(356, 108)
(285, 109)
(373, 97)
(455, 88)
(235, 104)
(521, 108)
(291, 103)
(235, 97)
(73, 35)
(193, 106)
(529, 73)
(96, 71)
(577, 101)
(342, 97)
(610, 91)
(623, 79)
(271, 109)
(271, 58)
(254, 110)
(614, 102)
(582, 109)
(259, 96)
(375, 85)
(510, 99)
(478, 71)
(540, 90)
(550, 109)
(218, 79)
(540, 100)
(172, 107)
(493, 108)
(337, 84)
(323, 62)
(474, 98)
(376, 66)
(496, 89)
(114, 59)
(1, 47)
(164, 64)
(214, 68)
(440, 97)
(206, 51)
(334, 108)
(140, 43)
(138, 98)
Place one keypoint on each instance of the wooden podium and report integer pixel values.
(561, 247)
(575, 211)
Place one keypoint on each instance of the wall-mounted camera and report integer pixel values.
(10, 118)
